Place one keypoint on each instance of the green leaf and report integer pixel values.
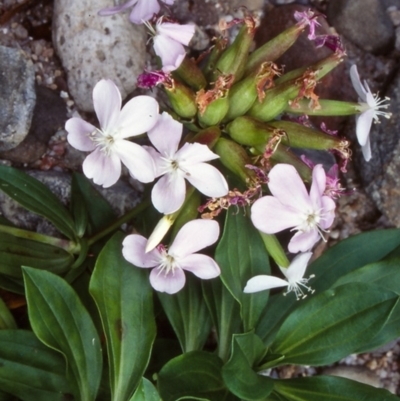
(36, 197)
(146, 392)
(241, 254)
(6, 318)
(78, 207)
(60, 321)
(238, 373)
(124, 298)
(333, 324)
(346, 256)
(184, 311)
(327, 388)
(30, 370)
(13, 285)
(16, 252)
(194, 374)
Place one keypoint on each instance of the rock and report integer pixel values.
(17, 97)
(352, 17)
(93, 47)
(360, 374)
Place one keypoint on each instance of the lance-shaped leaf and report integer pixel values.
(241, 255)
(36, 197)
(238, 373)
(146, 392)
(6, 318)
(124, 298)
(333, 324)
(60, 321)
(346, 256)
(327, 388)
(30, 370)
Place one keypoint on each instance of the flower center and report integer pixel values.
(103, 140)
(300, 287)
(311, 221)
(168, 263)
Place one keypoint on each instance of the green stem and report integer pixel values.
(69, 246)
(124, 219)
(275, 249)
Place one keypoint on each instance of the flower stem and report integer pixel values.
(275, 249)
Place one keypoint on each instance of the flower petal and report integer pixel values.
(104, 170)
(318, 185)
(193, 153)
(107, 103)
(179, 33)
(263, 282)
(270, 216)
(144, 10)
(297, 268)
(303, 241)
(133, 250)
(166, 135)
(168, 193)
(78, 134)
(170, 283)
(328, 212)
(116, 9)
(363, 126)
(207, 179)
(171, 52)
(357, 85)
(138, 161)
(366, 151)
(202, 266)
(193, 236)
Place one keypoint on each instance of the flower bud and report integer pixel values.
(208, 136)
(327, 108)
(181, 97)
(216, 51)
(235, 158)
(190, 74)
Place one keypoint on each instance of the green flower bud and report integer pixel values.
(235, 158)
(189, 73)
(326, 108)
(181, 97)
(216, 51)
(208, 136)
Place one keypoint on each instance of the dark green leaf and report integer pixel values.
(12, 284)
(60, 321)
(194, 374)
(36, 197)
(238, 372)
(6, 318)
(188, 314)
(241, 254)
(30, 370)
(146, 392)
(124, 298)
(327, 388)
(78, 207)
(333, 324)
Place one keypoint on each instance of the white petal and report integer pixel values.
(78, 134)
(263, 282)
(328, 212)
(104, 170)
(144, 10)
(138, 116)
(170, 283)
(138, 161)
(193, 153)
(133, 250)
(166, 135)
(180, 33)
(297, 268)
(201, 266)
(363, 126)
(357, 85)
(318, 185)
(116, 9)
(303, 241)
(193, 236)
(169, 51)
(168, 193)
(366, 150)
(159, 232)
(207, 179)
(161, 164)
(107, 103)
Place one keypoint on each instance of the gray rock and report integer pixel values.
(93, 47)
(364, 22)
(17, 97)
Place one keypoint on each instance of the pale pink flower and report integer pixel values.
(310, 214)
(143, 10)
(308, 18)
(293, 274)
(370, 107)
(108, 145)
(169, 39)
(169, 264)
(175, 165)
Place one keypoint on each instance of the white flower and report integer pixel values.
(108, 144)
(294, 278)
(370, 107)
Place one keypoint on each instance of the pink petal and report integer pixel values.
(168, 193)
(297, 268)
(328, 212)
(168, 2)
(303, 241)
(116, 9)
(170, 52)
(170, 283)
(287, 186)
(179, 33)
(107, 103)
(161, 165)
(270, 216)
(193, 236)
(263, 282)
(133, 250)
(78, 134)
(207, 179)
(201, 266)
(166, 135)
(318, 185)
(138, 116)
(138, 161)
(355, 80)
(104, 170)
(144, 10)
(363, 126)
(193, 153)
